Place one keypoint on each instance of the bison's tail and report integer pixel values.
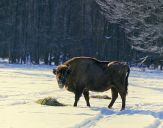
(127, 71)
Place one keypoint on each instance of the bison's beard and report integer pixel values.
(60, 84)
(61, 81)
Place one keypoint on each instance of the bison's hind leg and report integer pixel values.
(114, 97)
(123, 97)
(86, 96)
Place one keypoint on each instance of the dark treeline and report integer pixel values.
(55, 30)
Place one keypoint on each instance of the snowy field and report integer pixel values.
(22, 85)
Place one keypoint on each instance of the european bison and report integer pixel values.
(83, 74)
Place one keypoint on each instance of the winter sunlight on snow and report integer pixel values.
(22, 85)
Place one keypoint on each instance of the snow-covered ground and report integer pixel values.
(22, 85)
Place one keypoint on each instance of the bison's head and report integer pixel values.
(61, 73)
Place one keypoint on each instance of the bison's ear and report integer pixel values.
(54, 71)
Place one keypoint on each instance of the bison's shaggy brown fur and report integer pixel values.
(83, 74)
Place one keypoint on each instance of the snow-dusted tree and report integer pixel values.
(142, 21)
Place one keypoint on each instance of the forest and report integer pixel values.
(52, 31)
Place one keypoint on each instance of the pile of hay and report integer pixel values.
(49, 101)
(101, 97)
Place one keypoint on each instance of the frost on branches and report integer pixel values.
(142, 21)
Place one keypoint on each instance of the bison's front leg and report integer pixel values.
(77, 97)
(86, 96)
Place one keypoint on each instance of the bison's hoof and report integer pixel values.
(122, 109)
(109, 107)
(75, 105)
